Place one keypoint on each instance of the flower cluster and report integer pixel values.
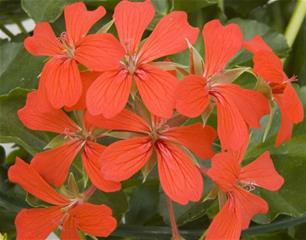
(95, 86)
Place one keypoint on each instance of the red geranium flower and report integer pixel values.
(237, 108)
(237, 182)
(270, 68)
(179, 176)
(72, 214)
(53, 165)
(60, 83)
(109, 94)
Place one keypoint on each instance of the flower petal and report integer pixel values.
(156, 88)
(291, 110)
(52, 121)
(196, 137)
(122, 159)
(38, 223)
(180, 178)
(92, 165)
(124, 121)
(53, 165)
(43, 42)
(62, 81)
(70, 230)
(24, 175)
(262, 173)
(225, 170)
(168, 37)
(252, 105)
(99, 52)
(131, 20)
(79, 20)
(109, 94)
(226, 224)
(256, 44)
(250, 205)
(87, 79)
(232, 128)
(93, 219)
(221, 44)
(192, 96)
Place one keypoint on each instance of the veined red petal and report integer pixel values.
(43, 42)
(53, 165)
(180, 178)
(262, 173)
(256, 44)
(221, 44)
(124, 121)
(109, 94)
(70, 231)
(79, 20)
(225, 170)
(269, 67)
(226, 224)
(291, 110)
(87, 79)
(249, 205)
(196, 137)
(24, 175)
(62, 81)
(232, 128)
(192, 96)
(93, 219)
(168, 37)
(90, 158)
(43, 103)
(122, 159)
(131, 20)
(37, 223)
(157, 89)
(52, 121)
(252, 105)
(99, 52)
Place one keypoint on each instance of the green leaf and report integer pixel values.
(12, 130)
(192, 5)
(143, 203)
(18, 68)
(250, 28)
(47, 10)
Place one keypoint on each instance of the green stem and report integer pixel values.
(295, 22)
(6, 31)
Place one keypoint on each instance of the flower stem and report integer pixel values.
(174, 229)
(89, 192)
(295, 22)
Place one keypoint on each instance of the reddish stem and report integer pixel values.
(175, 232)
(89, 192)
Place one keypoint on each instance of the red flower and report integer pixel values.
(237, 182)
(53, 165)
(237, 108)
(60, 83)
(71, 214)
(180, 178)
(109, 94)
(270, 68)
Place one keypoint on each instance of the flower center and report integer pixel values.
(68, 48)
(129, 62)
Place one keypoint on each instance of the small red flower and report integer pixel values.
(237, 182)
(60, 83)
(71, 214)
(270, 68)
(237, 108)
(179, 176)
(53, 165)
(109, 94)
